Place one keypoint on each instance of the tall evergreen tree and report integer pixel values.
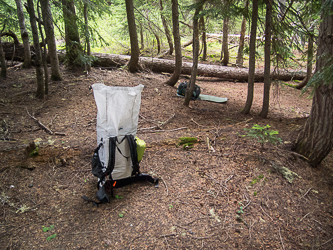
(135, 51)
(24, 35)
(176, 37)
(267, 69)
(72, 37)
(38, 55)
(252, 59)
(191, 86)
(315, 140)
(51, 43)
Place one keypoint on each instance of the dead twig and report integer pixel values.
(326, 242)
(281, 239)
(266, 213)
(166, 187)
(247, 205)
(43, 126)
(229, 178)
(40, 124)
(243, 121)
(292, 152)
(196, 123)
(307, 192)
(305, 216)
(166, 122)
(168, 235)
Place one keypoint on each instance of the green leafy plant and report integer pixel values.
(34, 152)
(51, 237)
(263, 135)
(187, 142)
(121, 214)
(240, 211)
(170, 206)
(118, 196)
(255, 193)
(254, 181)
(46, 229)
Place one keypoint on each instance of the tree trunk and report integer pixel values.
(24, 35)
(87, 34)
(38, 55)
(191, 86)
(141, 38)
(3, 62)
(157, 39)
(225, 49)
(44, 53)
(309, 64)
(72, 37)
(252, 59)
(135, 52)
(166, 29)
(203, 39)
(315, 140)
(267, 74)
(239, 60)
(178, 52)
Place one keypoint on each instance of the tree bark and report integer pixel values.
(135, 51)
(3, 62)
(87, 34)
(267, 48)
(309, 64)
(315, 140)
(239, 60)
(191, 86)
(24, 35)
(225, 49)
(166, 29)
(141, 38)
(252, 59)
(203, 38)
(72, 37)
(38, 55)
(176, 37)
(157, 39)
(44, 53)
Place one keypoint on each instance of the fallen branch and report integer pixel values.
(40, 124)
(44, 127)
(158, 131)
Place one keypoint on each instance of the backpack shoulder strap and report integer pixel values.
(134, 154)
(112, 156)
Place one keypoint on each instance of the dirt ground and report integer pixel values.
(227, 195)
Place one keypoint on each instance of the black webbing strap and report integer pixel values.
(112, 155)
(134, 154)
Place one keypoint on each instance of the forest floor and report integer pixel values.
(226, 195)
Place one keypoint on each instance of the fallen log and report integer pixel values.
(167, 66)
(163, 65)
